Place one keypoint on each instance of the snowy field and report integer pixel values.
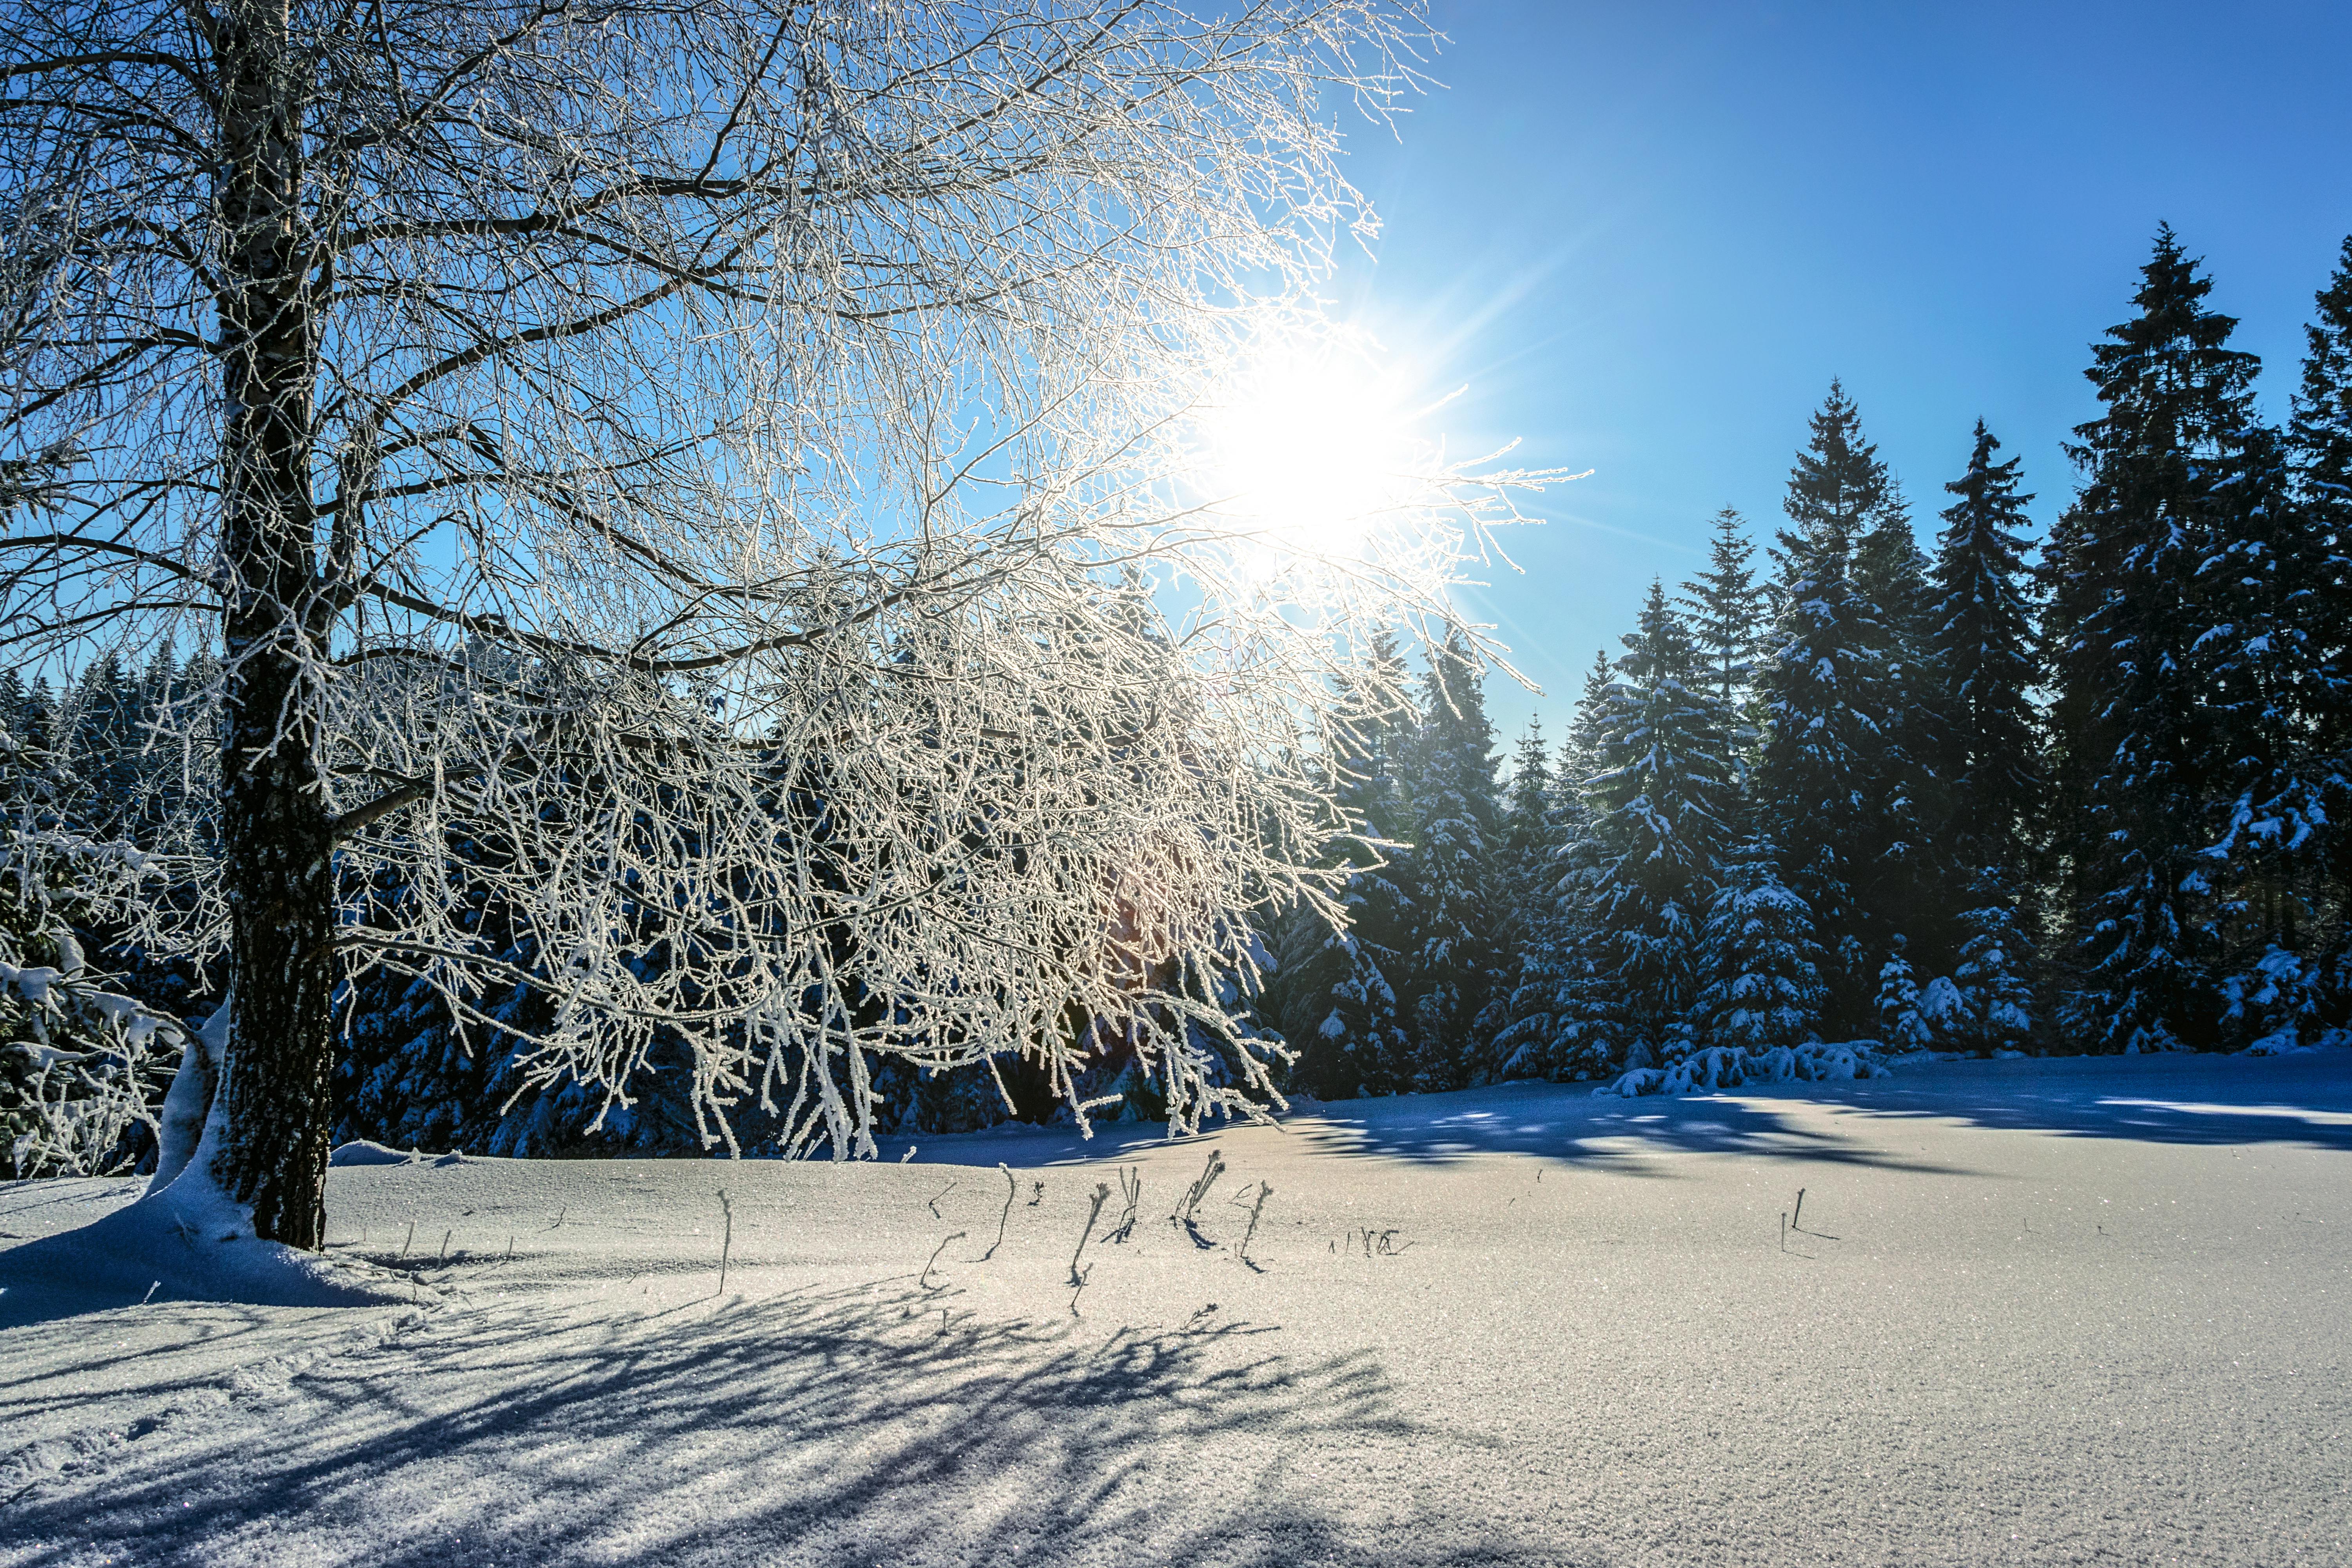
(2071, 1311)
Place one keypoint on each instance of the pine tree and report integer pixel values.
(2269, 663)
(2319, 434)
(1531, 843)
(1905, 879)
(103, 743)
(1902, 1026)
(1454, 960)
(1556, 1025)
(1891, 572)
(416, 1072)
(1985, 650)
(1661, 793)
(1985, 653)
(1764, 981)
(1334, 1000)
(1727, 611)
(2320, 431)
(1994, 977)
(1838, 488)
(1537, 829)
(2132, 724)
(1527, 798)
(1528, 826)
(1824, 761)
(2319, 446)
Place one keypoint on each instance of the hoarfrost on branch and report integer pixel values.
(721, 504)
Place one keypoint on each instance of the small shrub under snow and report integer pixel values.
(1727, 1067)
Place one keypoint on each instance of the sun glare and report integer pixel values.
(1312, 450)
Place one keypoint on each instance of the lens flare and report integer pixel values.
(1309, 449)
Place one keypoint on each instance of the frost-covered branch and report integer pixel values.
(702, 497)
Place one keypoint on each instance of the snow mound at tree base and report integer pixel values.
(188, 1243)
(366, 1152)
(1729, 1066)
(2288, 1042)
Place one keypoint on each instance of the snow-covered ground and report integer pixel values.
(2067, 1311)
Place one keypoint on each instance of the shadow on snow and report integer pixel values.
(846, 1425)
(2191, 1100)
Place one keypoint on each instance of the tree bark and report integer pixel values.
(278, 842)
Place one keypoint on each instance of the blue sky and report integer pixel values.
(1647, 235)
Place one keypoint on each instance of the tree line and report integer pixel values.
(1835, 787)
(1958, 798)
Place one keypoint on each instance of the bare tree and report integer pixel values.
(728, 458)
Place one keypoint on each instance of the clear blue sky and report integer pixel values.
(1648, 235)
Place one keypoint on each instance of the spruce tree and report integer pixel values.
(1824, 762)
(2319, 446)
(2132, 723)
(1993, 974)
(1904, 879)
(1527, 827)
(77, 1089)
(1334, 999)
(415, 1071)
(1984, 645)
(2319, 433)
(1726, 608)
(1532, 831)
(1454, 959)
(1662, 793)
(1985, 653)
(98, 743)
(2270, 668)
(1902, 1026)
(1558, 1024)
(1764, 969)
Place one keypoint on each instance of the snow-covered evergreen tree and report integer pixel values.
(1764, 984)
(1903, 1023)
(2320, 431)
(1528, 824)
(2269, 667)
(1993, 979)
(1662, 791)
(1824, 765)
(1903, 875)
(1553, 1027)
(103, 713)
(2319, 444)
(1453, 875)
(1985, 650)
(1533, 836)
(1726, 609)
(416, 1072)
(1334, 1000)
(1986, 656)
(2133, 725)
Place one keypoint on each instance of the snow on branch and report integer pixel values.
(734, 476)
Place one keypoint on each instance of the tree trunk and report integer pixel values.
(277, 838)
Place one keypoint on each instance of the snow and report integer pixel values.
(2032, 1312)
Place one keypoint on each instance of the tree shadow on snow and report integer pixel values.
(841, 1426)
(1568, 1123)
(2191, 1099)
(2305, 1100)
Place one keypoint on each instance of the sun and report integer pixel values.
(1307, 450)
